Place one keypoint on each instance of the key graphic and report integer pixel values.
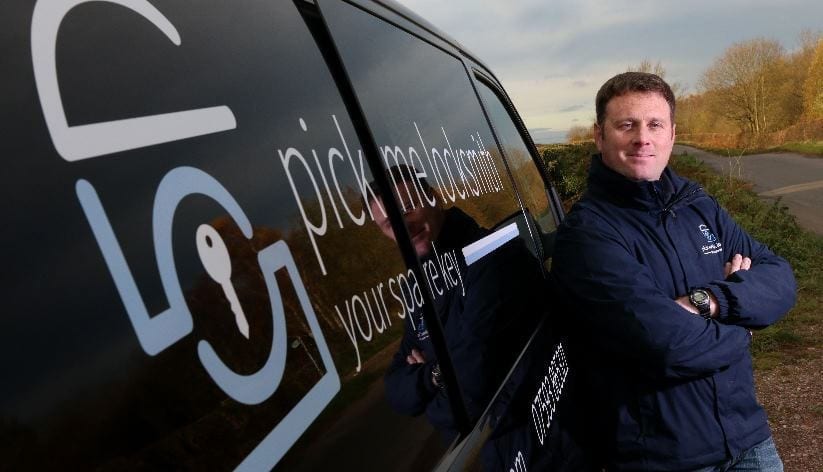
(215, 257)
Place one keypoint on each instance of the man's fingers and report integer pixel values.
(416, 357)
(738, 262)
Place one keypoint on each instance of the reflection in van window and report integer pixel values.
(482, 297)
(460, 210)
(530, 183)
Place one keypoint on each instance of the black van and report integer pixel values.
(206, 265)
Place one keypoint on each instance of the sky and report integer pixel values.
(553, 55)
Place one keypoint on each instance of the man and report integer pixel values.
(663, 289)
(486, 316)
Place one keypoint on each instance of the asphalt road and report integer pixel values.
(796, 179)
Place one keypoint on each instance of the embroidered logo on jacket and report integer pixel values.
(714, 246)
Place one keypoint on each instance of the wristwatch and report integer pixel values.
(437, 377)
(701, 300)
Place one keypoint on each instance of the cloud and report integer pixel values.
(546, 136)
(551, 55)
(553, 76)
(571, 109)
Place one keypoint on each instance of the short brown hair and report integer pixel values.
(397, 174)
(628, 82)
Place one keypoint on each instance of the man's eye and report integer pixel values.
(624, 126)
(656, 124)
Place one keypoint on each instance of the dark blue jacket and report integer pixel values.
(669, 390)
(485, 328)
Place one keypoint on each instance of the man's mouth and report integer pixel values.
(419, 238)
(415, 237)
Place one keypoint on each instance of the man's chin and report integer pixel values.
(643, 173)
(423, 248)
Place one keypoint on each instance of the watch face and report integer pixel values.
(699, 297)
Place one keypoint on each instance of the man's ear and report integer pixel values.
(674, 134)
(598, 136)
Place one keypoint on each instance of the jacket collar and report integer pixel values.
(605, 183)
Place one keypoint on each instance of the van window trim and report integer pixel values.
(394, 210)
(553, 197)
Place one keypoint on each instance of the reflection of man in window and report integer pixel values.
(486, 317)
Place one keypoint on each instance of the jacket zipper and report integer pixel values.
(670, 207)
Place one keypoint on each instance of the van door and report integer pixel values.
(192, 279)
(424, 115)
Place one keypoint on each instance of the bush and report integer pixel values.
(568, 166)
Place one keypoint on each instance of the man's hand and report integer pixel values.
(738, 262)
(416, 357)
(686, 304)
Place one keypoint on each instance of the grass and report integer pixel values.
(729, 152)
(808, 148)
(768, 222)
(812, 148)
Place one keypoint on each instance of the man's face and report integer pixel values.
(637, 135)
(422, 221)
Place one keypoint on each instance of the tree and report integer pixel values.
(657, 69)
(744, 83)
(697, 122)
(647, 66)
(578, 134)
(793, 74)
(808, 41)
(813, 87)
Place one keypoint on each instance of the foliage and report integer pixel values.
(756, 95)
(657, 69)
(744, 80)
(813, 148)
(813, 86)
(568, 166)
(809, 148)
(578, 134)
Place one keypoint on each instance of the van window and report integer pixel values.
(531, 186)
(195, 296)
(460, 210)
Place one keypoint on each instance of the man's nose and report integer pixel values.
(641, 136)
(411, 218)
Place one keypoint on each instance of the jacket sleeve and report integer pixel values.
(409, 388)
(618, 308)
(757, 297)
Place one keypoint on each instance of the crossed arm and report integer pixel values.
(738, 262)
(758, 287)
